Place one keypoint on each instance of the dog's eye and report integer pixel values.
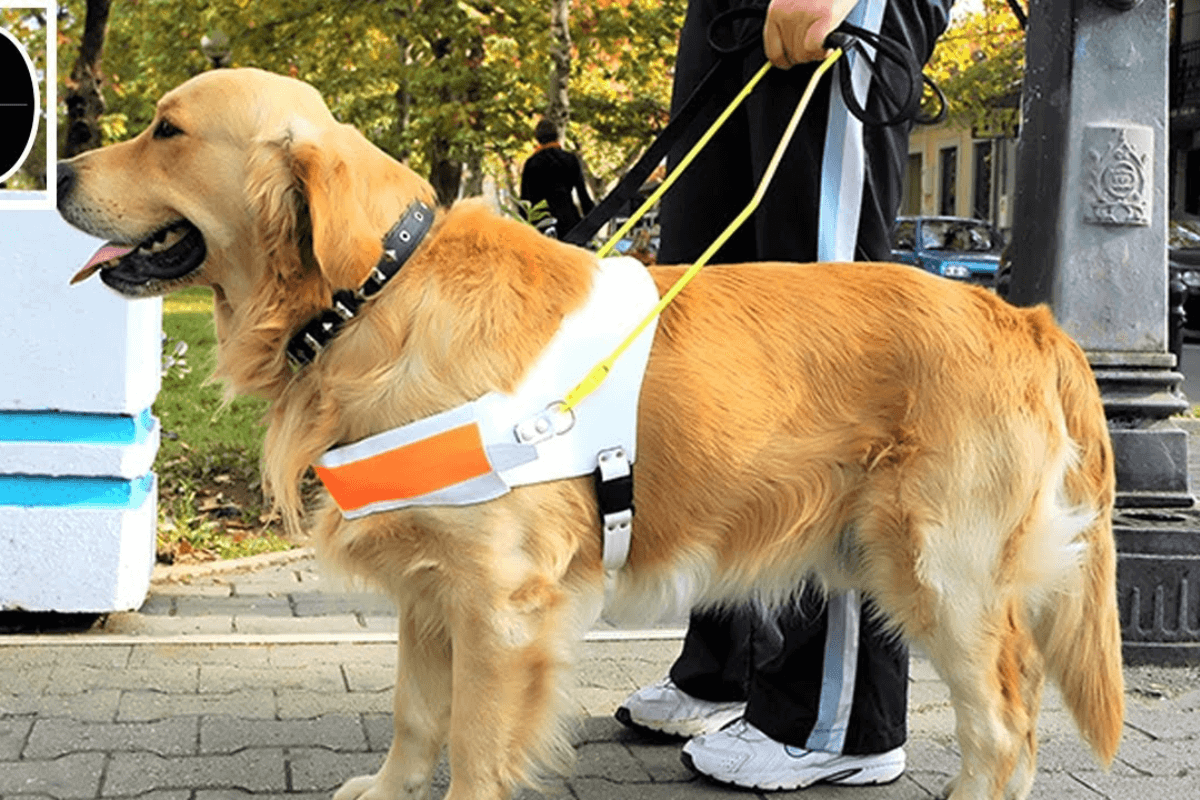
(165, 130)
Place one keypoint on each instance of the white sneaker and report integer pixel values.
(665, 708)
(742, 755)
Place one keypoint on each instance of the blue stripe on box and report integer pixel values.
(65, 426)
(74, 492)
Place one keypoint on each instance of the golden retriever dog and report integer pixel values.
(864, 426)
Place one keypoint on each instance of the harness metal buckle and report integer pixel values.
(545, 425)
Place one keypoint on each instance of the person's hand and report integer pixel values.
(795, 29)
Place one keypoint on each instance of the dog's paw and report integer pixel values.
(361, 788)
(375, 787)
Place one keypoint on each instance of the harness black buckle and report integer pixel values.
(613, 479)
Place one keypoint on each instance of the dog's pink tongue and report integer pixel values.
(106, 253)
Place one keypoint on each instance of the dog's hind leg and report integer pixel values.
(1021, 674)
(995, 674)
(421, 713)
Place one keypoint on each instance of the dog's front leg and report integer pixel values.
(421, 714)
(511, 657)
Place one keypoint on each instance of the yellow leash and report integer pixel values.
(674, 176)
(599, 372)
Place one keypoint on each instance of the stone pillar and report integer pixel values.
(1090, 239)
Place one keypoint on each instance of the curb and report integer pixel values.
(91, 639)
(184, 573)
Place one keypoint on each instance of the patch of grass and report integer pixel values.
(210, 492)
(192, 405)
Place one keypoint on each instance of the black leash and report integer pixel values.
(907, 103)
(731, 47)
(678, 125)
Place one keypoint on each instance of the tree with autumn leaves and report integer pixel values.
(454, 87)
(979, 63)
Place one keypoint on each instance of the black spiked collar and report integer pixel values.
(400, 243)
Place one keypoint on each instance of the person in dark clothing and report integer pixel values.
(550, 174)
(816, 692)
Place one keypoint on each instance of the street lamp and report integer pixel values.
(215, 46)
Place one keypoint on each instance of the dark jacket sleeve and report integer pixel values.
(525, 181)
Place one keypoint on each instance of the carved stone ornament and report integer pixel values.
(1118, 183)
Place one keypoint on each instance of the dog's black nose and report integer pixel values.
(66, 181)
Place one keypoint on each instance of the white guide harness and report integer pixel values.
(501, 440)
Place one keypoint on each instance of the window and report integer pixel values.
(981, 201)
(960, 236)
(947, 197)
(904, 235)
(910, 203)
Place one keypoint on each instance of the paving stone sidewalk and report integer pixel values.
(272, 682)
(88, 718)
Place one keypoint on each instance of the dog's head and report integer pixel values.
(243, 182)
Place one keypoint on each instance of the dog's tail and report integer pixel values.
(1079, 631)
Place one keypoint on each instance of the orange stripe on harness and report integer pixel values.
(427, 465)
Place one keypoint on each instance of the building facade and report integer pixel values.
(1184, 167)
(951, 172)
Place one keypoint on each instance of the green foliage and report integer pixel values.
(525, 211)
(979, 63)
(461, 79)
(190, 402)
(621, 78)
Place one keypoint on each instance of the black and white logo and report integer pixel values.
(19, 101)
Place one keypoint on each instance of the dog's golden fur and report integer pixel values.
(882, 429)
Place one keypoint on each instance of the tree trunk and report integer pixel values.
(403, 99)
(474, 182)
(444, 172)
(558, 106)
(85, 103)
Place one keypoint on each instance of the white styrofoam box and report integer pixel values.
(72, 348)
(80, 558)
(58, 458)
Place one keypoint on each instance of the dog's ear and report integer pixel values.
(354, 193)
(277, 204)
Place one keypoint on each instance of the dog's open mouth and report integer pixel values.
(170, 253)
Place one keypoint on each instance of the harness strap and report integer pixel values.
(614, 496)
(480, 450)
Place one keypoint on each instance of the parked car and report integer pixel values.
(642, 240)
(953, 247)
(1183, 254)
